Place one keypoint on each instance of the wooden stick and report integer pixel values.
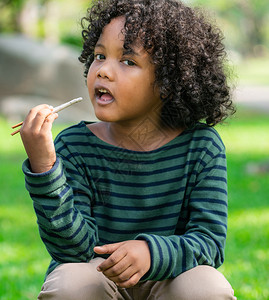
(55, 110)
(15, 132)
(17, 125)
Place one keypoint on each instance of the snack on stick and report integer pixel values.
(55, 110)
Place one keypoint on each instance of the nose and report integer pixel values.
(105, 71)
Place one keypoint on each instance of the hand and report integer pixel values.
(37, 138)
(128, 262)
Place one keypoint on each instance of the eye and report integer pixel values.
(128, 62)
(99, 56)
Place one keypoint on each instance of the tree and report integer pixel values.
(10, 10)
(247, 17)
(53, 20)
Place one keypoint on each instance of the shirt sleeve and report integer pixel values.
(203, 241)
(62, 205)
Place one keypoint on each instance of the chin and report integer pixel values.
(105, 117)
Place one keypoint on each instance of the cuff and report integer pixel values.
(43, 183)
(161, 258)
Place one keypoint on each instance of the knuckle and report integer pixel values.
(132, 257)
(39, 114)
(113, 260)
(112, 272)
(32, 110)
(35, 133)
(133, 281)
(42, 135)
(49, 118)
(25, 131)
(116, 272)
(122, 278)
(130, 283)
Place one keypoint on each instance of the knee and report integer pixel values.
(69, 291)
(201, 283)
(74, 281)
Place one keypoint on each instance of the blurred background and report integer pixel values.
(40, 41)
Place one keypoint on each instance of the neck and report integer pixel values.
(146, 136)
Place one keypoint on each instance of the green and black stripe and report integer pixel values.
(174, 197)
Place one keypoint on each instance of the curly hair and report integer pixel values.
(187, 51)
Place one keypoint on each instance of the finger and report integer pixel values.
(132, 281)
(32, 113)
(118, 269)
(30, 120)
(112, 260)
(122, 276)
(47, 125)
(107, 249)
(40, 118)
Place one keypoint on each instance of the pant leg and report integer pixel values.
(78, 281)
(199, 283)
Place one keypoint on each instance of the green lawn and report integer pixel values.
(247, 250)
(23, 258)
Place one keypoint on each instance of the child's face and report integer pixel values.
(120, 83)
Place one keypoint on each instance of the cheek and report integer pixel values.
(140, 83)
(146, 87)
(90, 80)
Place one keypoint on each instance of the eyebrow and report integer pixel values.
(99, 46)
(125, 51)
(129, 51)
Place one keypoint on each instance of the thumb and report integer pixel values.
(107, 249)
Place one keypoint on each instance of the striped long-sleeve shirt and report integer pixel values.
(174, 197)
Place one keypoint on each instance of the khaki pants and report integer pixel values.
(81, 281)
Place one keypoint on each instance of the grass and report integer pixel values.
(247, 251)
(23, 258)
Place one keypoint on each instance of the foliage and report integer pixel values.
(23, 258)
(244, 22)
(52, 20)
(10, 9)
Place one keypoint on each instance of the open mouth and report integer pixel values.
(103, 96)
